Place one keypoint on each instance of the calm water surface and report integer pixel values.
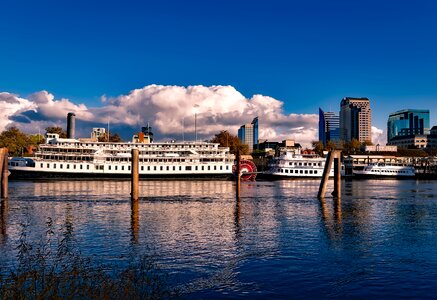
(279, 241)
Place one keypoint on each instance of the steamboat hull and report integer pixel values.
(39, 175)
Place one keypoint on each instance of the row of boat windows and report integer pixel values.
(390, 171)
(142, 168)
(69, 144)
(141, 160)
(305, 164)
(298, 171)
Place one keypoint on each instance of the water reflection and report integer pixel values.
(135, 222)
(276, 241)
(3, 220)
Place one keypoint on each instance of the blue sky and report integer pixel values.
(304, 53)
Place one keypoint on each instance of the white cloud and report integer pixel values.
(379, 136)
(170, 110)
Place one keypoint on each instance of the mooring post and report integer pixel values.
(134, 175)
(325, 176)
(4, 173)
(238, 176)
(337, 175)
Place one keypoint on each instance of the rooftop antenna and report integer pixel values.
(107, 137)
(195, 121)
(183, 129)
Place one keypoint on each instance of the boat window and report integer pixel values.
(188, 168)
(221, 168)
(42, 165)
(142, 168)
(311, 171)
(180, 168)
(203, 168)
(122, 168)
(168, 168)
(301, 172)
(148, 168)
(209, 168)
(60, 166)
(296, 171)
(68, 166)
(306, 171)
(215, 167)
(128, 168)
(154, 168)
(160, 168)
(87, 167)
(286, 170)
(227, 167)
(48, 165)
(300, 164)
(115, 168)
(81, 167)
(174, 168)
(109, 168)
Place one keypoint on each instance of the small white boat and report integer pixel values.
(384, 170)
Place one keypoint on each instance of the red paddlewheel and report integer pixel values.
(247, 169)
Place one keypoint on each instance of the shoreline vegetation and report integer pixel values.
(55, 268)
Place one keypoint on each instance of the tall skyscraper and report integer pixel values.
(408, 122)
(248, 133)
(329, 127)
(355, 119)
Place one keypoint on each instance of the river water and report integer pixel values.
(278, 241)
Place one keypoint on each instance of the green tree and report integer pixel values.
(330, 145)
(14, 140)
(352, 147)
(225, 139)
(56, 129)
(318, 147)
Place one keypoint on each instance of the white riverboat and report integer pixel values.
(73, 158)
(295, 164)
(383, 170)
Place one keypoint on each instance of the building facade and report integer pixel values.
(329, 127)
(408, 122)
(248, 133)
(355, 119)
(97, 132)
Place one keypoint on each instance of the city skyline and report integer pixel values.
(298, 56)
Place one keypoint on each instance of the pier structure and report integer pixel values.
(4, 173)
(334, 156)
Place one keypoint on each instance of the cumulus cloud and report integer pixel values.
(379, 136)
(171, 110)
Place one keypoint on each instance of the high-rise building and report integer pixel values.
(248, 133)
(329, 127)
(97, 132)
(355, 119)
(408, 122)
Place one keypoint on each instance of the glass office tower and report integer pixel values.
(408, 122)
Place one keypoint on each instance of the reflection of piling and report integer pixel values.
(4, 172)
(337, 176)
(238, 176)
(135, 222)
(134, 175)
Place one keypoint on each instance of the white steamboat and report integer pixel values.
(73, 158)
(292, 163)
(382, 170)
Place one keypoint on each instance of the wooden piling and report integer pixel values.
(4, 173)
(134, 174)
(238, 176)
(325, 176)
(337, 175)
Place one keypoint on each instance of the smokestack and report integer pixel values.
(71, 125)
